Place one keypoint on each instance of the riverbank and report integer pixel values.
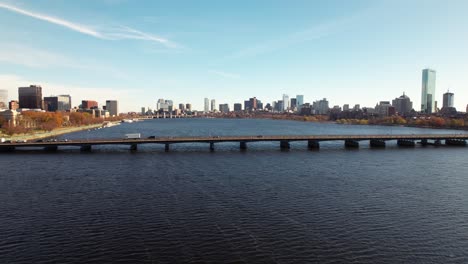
(54, 133)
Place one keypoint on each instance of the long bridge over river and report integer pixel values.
(313, 141)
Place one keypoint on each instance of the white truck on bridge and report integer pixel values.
(132, 136)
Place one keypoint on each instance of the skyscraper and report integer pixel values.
(112, 107)
(286, 102)
(30, 97)
(403, 105)
(448, 100)
(428, 91)
(299, 101)
(64, 102)
(206, 109)
(3, 99)
(213, 105)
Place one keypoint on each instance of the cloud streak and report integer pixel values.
(118, 33)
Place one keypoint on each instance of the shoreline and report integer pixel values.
(53, 133)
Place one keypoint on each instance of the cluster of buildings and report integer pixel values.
(30, 99)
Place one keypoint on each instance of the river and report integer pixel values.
(262, 205)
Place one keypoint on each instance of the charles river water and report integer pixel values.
(262, 205)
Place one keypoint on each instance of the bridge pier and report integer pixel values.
(351, 143)
(212, 146)
(455, 142)
(7, 149)
(86, 148)
(134, 147)
(284, 144)
(243, 145)
(313, 144)
(406, 143)
(50, 148)
(424, 142)
(166, 147)
(377, 143)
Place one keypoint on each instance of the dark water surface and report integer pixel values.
(263, 205)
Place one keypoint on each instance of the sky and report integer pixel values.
(350, 52)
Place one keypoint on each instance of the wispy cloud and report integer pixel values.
(225, 74)
(115, 33)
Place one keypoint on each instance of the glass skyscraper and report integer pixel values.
(428, 91)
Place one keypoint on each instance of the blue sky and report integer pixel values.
(355, 52)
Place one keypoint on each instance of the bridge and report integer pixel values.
(313, 141)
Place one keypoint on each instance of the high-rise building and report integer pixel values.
(89, 104)
(224, 108)
(64, 102)
(213, 105)
(403, 105)
(30, 97)
(113, 107)
(57, 103)
(188, 107)
(51, 103)
(286, 102)
(237, 107)
(346, 107)
(448, 100)
(321, 107)
(247, 106)
(299, 101)
(293, 103)
(182, 107)
(253, 103)
(3, 99)
(206, 108)
(428, 91)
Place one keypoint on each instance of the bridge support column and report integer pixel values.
(437, 142)
(85, 148)
(7, 149)
(406, 143)
(351, 143)
(212, 146)
(424, 142)
(284, 144)
(166, 147)
(50, 148)
(243, 145)
(134, 147)
(313, 144)
(377, 143)
(455, 142)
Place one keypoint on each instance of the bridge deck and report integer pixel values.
(216, 139)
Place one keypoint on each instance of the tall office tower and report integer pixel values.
(3, 99)
(299, 101)
(237, 107)
(188, 107)
(213, 105)
(206, 109)
(182, 107)
(293, 103)
(113, 107)
(30, 97)
(428, 91)
(253, 103)
(51, 103)
(64, 102)
(286, 102)
(448, 100)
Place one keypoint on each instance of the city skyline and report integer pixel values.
(359, 52)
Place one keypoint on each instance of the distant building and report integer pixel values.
(306, 109)
(346, 107)
(11, 116)
(253, 103)
(247, 106)
(64, 102)
(206, 108)
(182, 107)
(357, 107)
(213, 105)
(143, 111)
(279, 106)
(403, 105)
(321, 107)
(293, 103)
(3, 99)
(51, 103)
(384, 108)
(286, 103)
(224, 108)
(448, 100)
(30, 97)
(299, 101)
(89, 104)
(237, 107)
(13, 105)
(188, 107)
(113, 107)
(428, 91)
(57, 103)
